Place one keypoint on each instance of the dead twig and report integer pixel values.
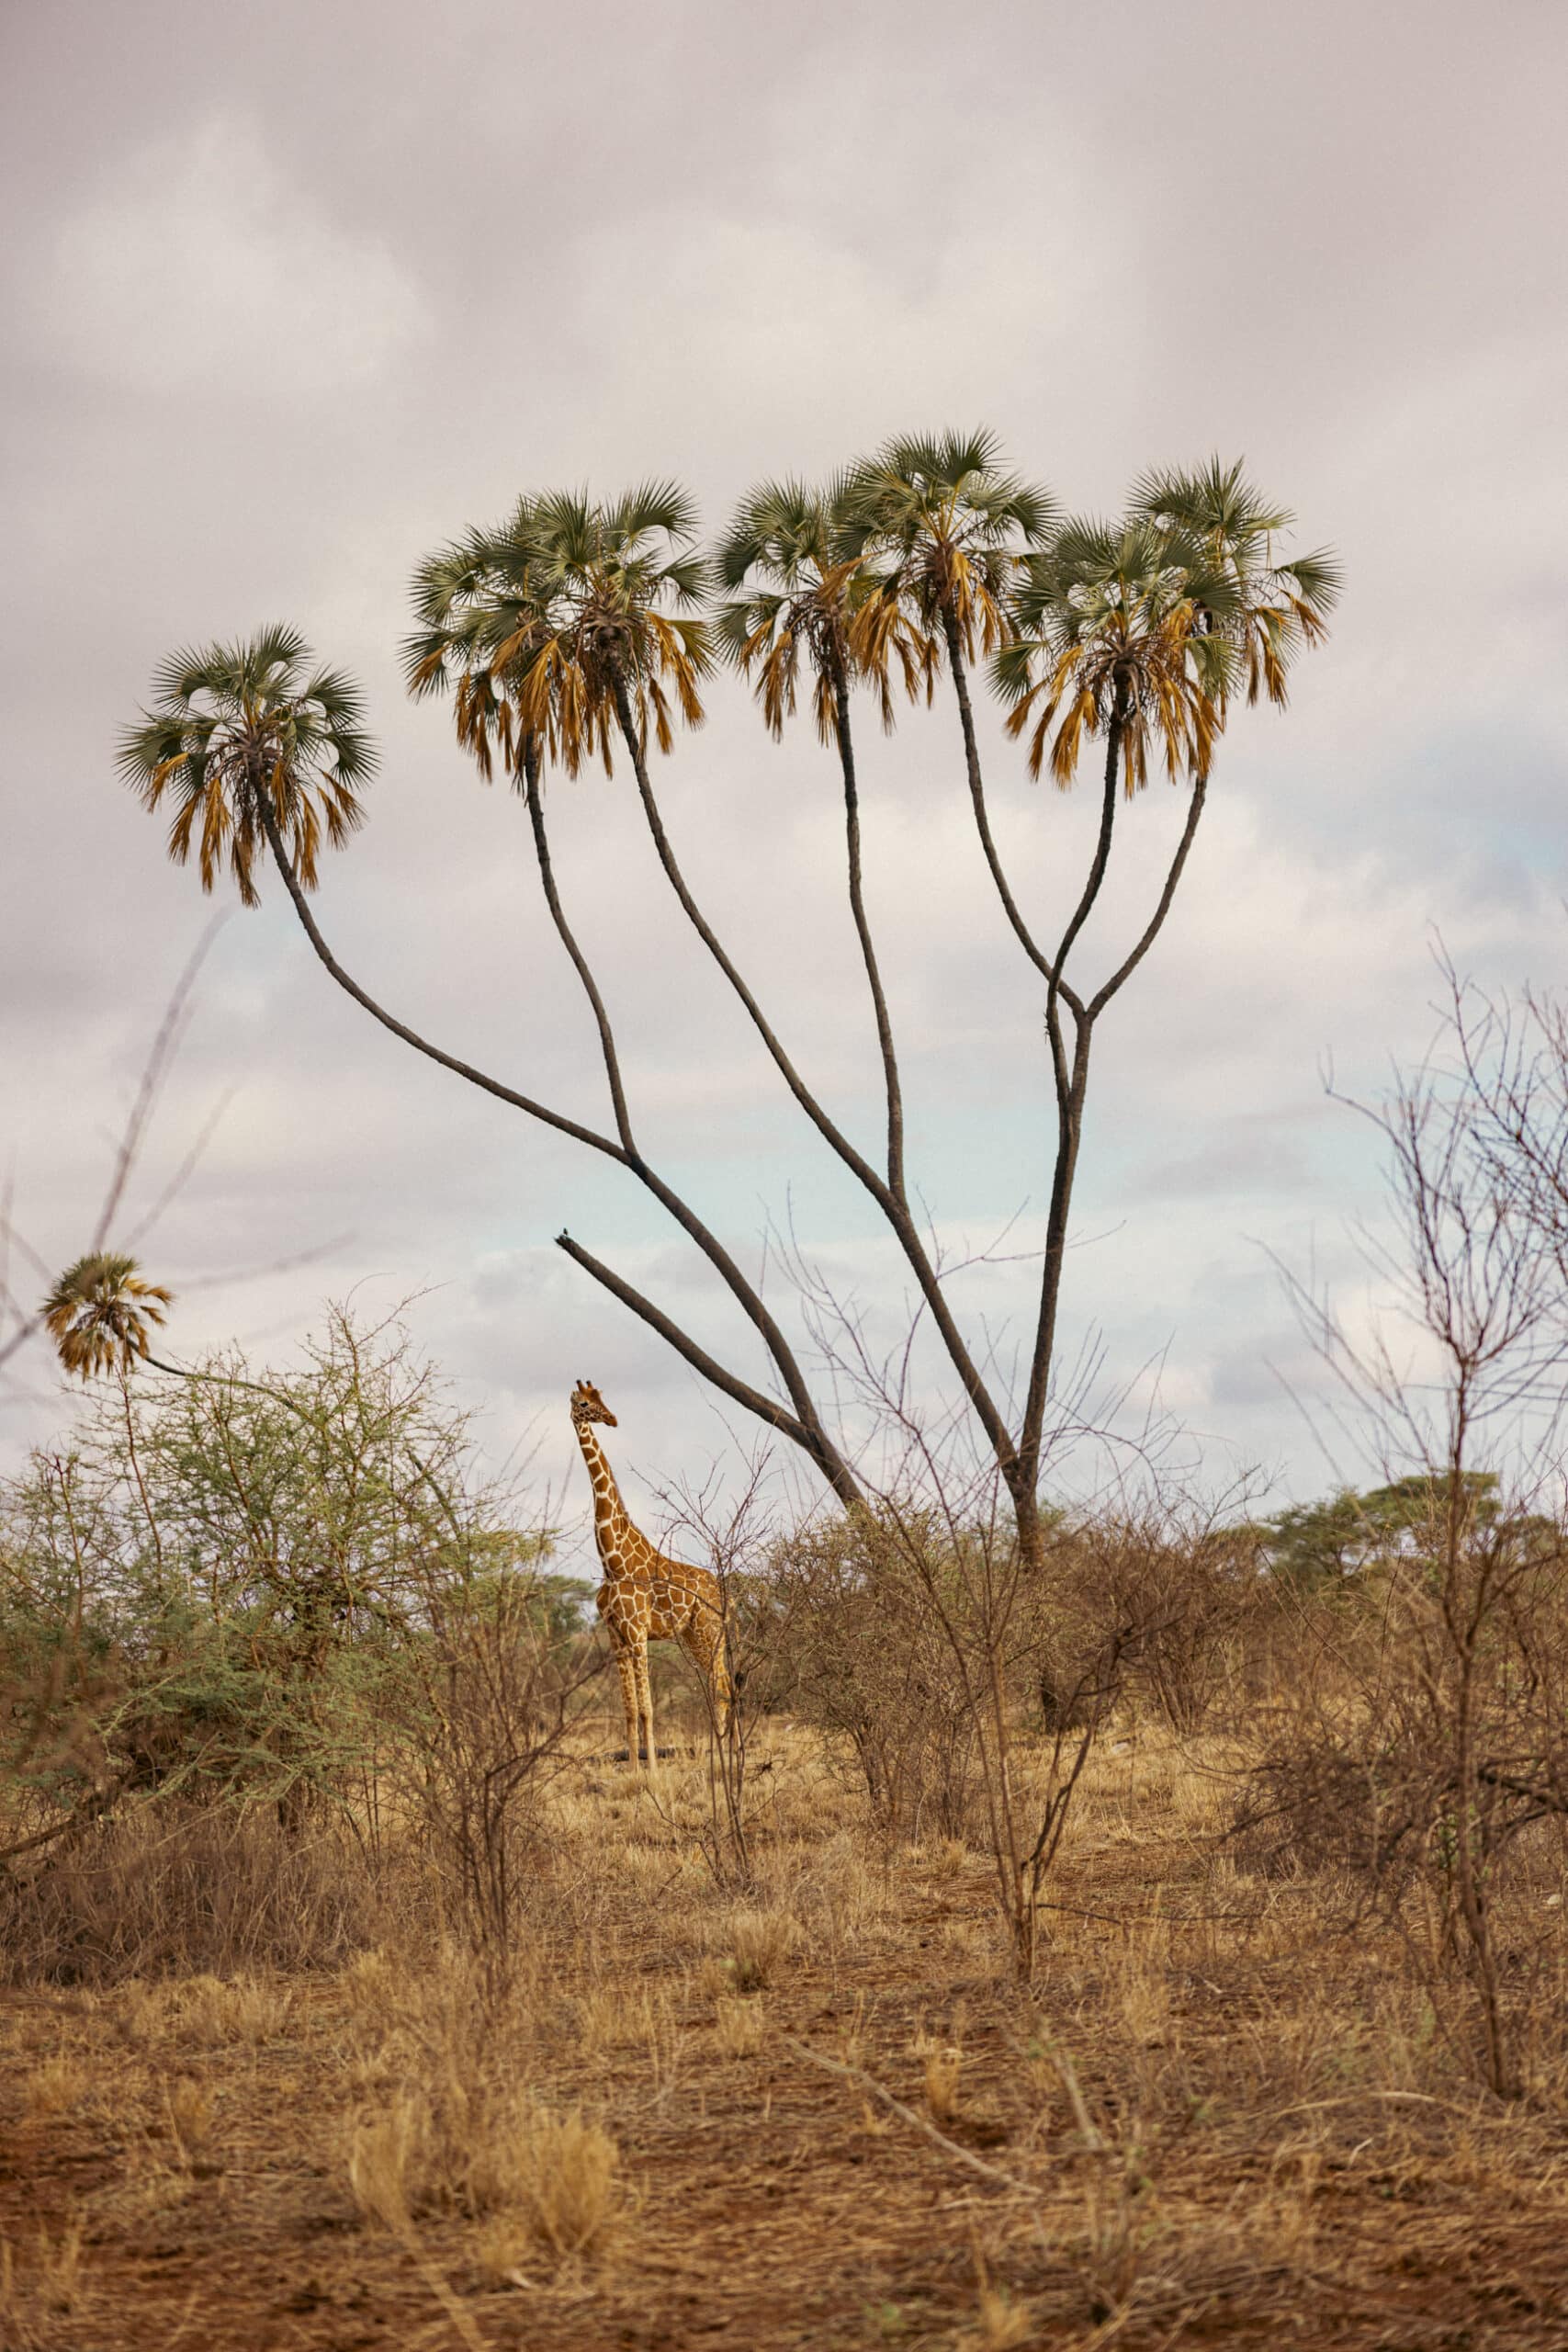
(993, 2173)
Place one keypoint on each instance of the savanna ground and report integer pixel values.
(1216, 2118)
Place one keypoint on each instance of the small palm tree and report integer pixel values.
(480, 607)
(799, 597)
(795, 594)
(100, 1315)
(254, 745)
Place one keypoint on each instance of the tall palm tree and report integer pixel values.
(794, 600)
(948, 527)
(573, 625)
(245, 737)
(1139, 634)
(569, 629)
(101, 1315)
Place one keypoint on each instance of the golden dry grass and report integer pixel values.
(1213, 2121)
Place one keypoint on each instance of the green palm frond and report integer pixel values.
(791, 601)
(945, 529)
(239, 729)
(1123, 626)
(1279, 604)
(100, 1314)
(537, 626)
(1151, 625)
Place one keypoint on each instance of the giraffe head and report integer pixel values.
(587, 1405)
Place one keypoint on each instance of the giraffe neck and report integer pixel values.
(610, 1520)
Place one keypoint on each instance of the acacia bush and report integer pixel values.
(860, 1649)
(261, 1595)
(1422, 1762)
(1180, 1599)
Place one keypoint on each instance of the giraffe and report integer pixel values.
(644, 1596)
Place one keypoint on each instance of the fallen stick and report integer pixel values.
(992, 2173)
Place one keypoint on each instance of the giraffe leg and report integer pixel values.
(627, 1661)
(645, 1703)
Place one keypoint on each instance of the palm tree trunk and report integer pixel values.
(891, 1086)
(1071, 1082)
(891, 1203)
(534, 797)
(977, 799)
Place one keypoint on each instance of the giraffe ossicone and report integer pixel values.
(646, 1596)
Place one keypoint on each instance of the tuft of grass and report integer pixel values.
(943, 2078)
(759, 1943)
(1000, 2324)
(739, 2025)
(571, 2186)
(44, 2298)
(54, 2088)
(190, 2109)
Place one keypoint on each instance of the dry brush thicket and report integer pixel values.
(1159, 1941)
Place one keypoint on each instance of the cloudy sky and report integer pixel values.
(297, 293)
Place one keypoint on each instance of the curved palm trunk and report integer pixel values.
(891, 1086)
(1069, 1068)
(1041, 962)
(893, 1207)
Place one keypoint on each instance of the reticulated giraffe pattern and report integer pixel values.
(646, 1597)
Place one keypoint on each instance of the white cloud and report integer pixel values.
(201, 269)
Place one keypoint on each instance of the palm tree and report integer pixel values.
(246, 738)
(794, 597)
(567, 630)
(101, 1315)
(572, 626)
(1139, 634)
(948, 528)
(1122, 632)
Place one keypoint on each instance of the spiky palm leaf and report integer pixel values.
(798, 596)
(946, 529)
(537, 626)
(1280, 603)
(237, 726)
(99, 1312)
(1125, 627)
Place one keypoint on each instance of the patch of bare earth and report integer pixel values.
(816, 2114)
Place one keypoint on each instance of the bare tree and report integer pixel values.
(1433, 1755)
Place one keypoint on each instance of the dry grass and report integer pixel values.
(1215, 2113)
(44, 2302)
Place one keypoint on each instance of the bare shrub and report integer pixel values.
(1178, 1600)
(1425, 1765)
(484, 1695)
(1427, 1756)
(863, 1658)
(187, 1888)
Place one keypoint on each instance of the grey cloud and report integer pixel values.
(409, 274)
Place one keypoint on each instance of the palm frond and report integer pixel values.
(100, 1314)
